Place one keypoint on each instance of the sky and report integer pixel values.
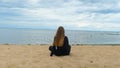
(101, 15)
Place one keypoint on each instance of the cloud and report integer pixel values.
(78, 14)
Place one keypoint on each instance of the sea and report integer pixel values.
(42, 36)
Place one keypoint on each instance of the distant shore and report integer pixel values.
(82, 56)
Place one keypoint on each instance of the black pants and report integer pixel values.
(60, 51)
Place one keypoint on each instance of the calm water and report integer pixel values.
(29, 36)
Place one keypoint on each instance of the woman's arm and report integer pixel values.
(66, 41)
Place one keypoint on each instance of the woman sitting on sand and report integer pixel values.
(60, 44)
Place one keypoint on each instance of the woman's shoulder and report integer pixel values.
(66, 37)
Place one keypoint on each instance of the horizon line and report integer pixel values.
(54, 29)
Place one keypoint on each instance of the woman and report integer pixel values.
(60, 44)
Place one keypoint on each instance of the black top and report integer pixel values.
(59, 51)
(64, 49)
(66, 43)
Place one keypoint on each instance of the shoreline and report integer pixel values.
(70, 44)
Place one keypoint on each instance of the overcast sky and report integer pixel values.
(72, 14)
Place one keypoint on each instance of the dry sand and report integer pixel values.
(37, 56)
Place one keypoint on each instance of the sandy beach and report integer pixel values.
(37, 56)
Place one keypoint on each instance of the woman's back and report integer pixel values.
(65, 49)
(60, 44)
